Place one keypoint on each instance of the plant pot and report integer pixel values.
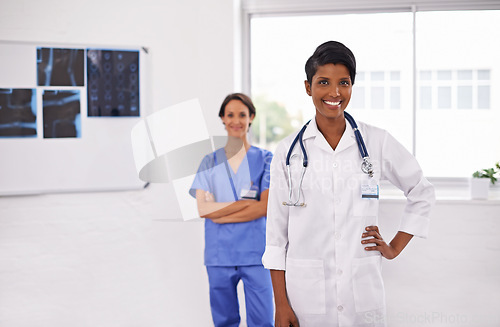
(479, 188)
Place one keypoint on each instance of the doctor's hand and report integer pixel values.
(285, 317)
(388, 251)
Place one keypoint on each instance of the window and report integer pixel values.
(457, 89)
(382, 89)
(457, 122)
(450, 121)
(379, 90)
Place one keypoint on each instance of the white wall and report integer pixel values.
(125, 258)
(453, 277)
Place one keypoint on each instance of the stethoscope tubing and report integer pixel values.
(366, 166)
(357, 133)
(359, 140)
(304, 152)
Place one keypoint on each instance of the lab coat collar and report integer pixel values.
(348, 138)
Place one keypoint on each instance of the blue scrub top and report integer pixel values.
(235, 244)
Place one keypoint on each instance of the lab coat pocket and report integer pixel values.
(365, 195)
(368, 286)
(305, 285)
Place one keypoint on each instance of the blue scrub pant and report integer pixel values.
(258, 295)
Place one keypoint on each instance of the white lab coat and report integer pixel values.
(331, 280)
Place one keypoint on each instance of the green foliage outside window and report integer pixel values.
(278, 122)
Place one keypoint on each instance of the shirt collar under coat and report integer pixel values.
(348, 138)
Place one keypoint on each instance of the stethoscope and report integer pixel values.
(366, 165)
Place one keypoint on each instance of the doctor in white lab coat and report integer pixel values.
(325, 257)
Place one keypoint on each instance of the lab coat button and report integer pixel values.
(335, 165)
(337, 236)
(339, 272)
(340, 308)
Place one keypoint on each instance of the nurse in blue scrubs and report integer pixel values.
(231, 189)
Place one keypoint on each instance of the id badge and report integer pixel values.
(369, 189)
(251, 193)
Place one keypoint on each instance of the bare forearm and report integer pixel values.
(221, 209)
(400, 241)
(255, 210)
(279, 288)
(284, 316)
(252, 212)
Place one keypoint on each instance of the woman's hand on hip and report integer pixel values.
(388, 251)
(380, 245)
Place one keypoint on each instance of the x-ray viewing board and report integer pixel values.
(66, 112)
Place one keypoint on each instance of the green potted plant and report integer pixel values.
(481, 181)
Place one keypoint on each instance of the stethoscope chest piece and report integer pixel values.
(367, 166)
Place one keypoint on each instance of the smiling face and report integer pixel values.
(330, 89)
(237, 118)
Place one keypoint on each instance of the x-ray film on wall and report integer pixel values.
(61, 113)
(17, 112)
(112, 83)
(60, 67)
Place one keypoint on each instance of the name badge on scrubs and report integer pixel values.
(369, 189)
(250, 193)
